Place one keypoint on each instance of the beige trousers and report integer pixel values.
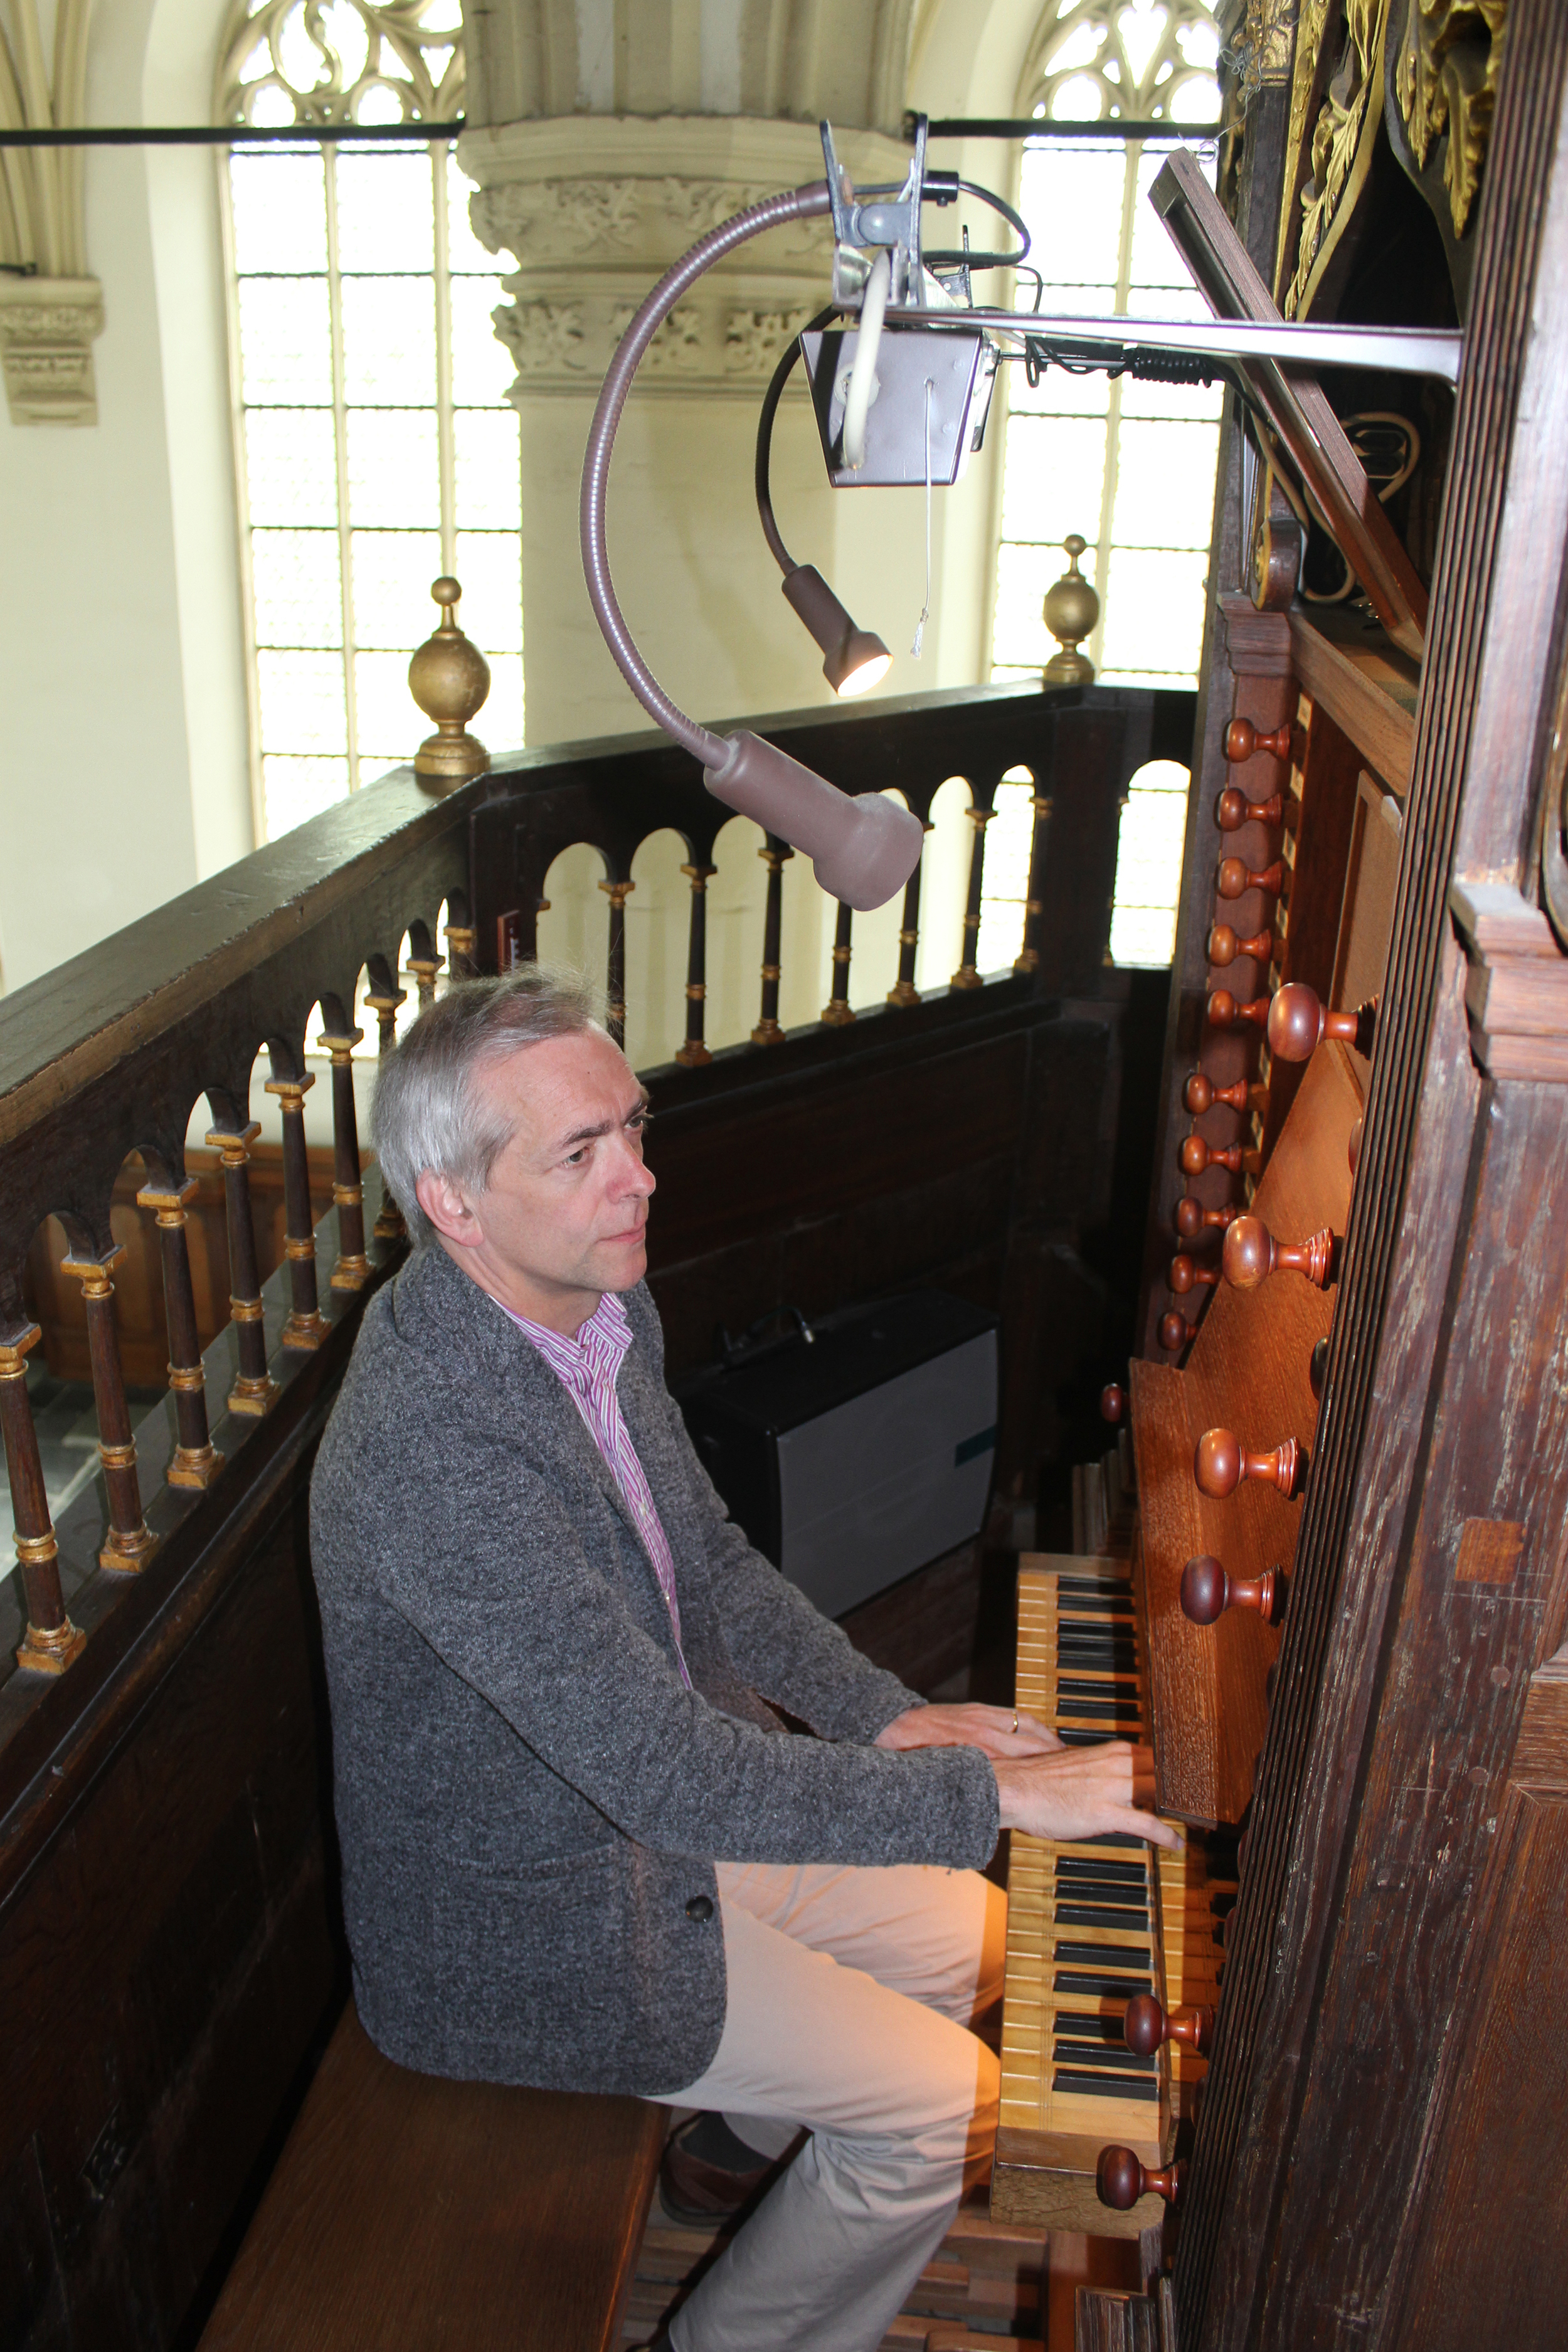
(850, 1996)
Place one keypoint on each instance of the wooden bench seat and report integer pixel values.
(412, 2212)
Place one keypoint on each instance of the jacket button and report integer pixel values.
(699, 1908)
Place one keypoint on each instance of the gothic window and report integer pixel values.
(374, 447)
(1131, 467)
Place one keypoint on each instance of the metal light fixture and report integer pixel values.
(853, 659)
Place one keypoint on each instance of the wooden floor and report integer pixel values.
(991, 2288)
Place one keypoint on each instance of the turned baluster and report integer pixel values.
(617, 894)
(1035, 905)
(1192, 1218)
(1225, 1012)
(254, 1390)
(384, 1003)
(1251, 1254)
(903, 990)
(1234, 877)
(1232, 810)
(1147, 2024)
(1243, 742)
(1113, 1404)
(966, 976)
(196, 1460)
(50, 1641)
(423, 971)
(1196, 1155)
(1200, 1094)
(1298, 1022)
(1174, 1331)
(773, 854)
(131, 1542)
(694, 1054)
(1225, 945)
(1221, 1462)
(305, 1326)
(1206, 1591)
(461, 951)
(837, 1012)
(352, 1267)
(1120, 2179)
(1186, 1274)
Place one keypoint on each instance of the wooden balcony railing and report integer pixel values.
(102, 1062)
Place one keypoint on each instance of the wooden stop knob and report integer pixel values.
(1225, 1012)
(1186, 1276)
(1147, 2025)
(1236, 877)
(1200, 1094)
(1174, 1331)
(1192, 1218)
(1120, 2179)
(1224, 946)
(1196, 1155)
(1243, 742)
(1113, 1404)
(1232, 810)
(1251, 1252)
(1298, 1024)
(1221, 1461)
(1206, 1591)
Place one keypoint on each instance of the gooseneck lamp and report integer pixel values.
(864, 848)
(853, 659)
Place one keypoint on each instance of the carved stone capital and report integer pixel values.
(595, 209)
(46, 331)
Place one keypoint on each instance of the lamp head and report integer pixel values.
(854, 660)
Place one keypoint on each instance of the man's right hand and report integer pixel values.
(1083, 1792)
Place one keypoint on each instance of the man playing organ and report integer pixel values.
(581, 1847)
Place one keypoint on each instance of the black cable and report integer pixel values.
(771, 398)
(984, 261)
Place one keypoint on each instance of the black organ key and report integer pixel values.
(1086, 1687)
(1103, 2086)
(1106, 2060)
(1102, 1710)
(1102, 1915)
(1090, 2026)
(1095, 1587)
(1104, 1987)
(1101, 1867)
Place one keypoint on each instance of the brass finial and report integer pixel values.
(1070, 610)
(448, 679)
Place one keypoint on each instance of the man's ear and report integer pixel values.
(449, 1208)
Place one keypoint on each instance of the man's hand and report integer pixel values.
(1083, 1792)
(997, 1731)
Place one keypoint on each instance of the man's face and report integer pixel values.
(564, 1216)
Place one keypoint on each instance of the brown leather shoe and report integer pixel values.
(708, 2174)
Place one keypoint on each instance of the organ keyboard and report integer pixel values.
(1091, 1925)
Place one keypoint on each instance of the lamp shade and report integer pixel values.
(854, 659)
(864, 849)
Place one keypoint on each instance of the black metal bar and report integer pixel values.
(230, 134)
(1003, 126)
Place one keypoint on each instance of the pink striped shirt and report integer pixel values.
(587, 1368)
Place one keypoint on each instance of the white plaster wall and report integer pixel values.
(123, 760)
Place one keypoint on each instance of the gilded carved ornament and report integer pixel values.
(1342, 141)
(1446, 80)
(50, 309)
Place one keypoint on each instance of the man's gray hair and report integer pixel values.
(429, 1112)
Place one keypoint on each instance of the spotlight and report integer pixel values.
(854, 660)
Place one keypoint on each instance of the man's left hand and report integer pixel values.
(997, 1731)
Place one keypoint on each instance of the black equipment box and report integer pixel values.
(853, 1458)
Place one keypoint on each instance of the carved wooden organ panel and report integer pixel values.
(1335, 1594)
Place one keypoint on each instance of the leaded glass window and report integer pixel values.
(374, 447)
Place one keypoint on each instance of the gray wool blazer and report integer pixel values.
(529, 1799)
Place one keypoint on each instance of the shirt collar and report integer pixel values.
(606, 1332)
